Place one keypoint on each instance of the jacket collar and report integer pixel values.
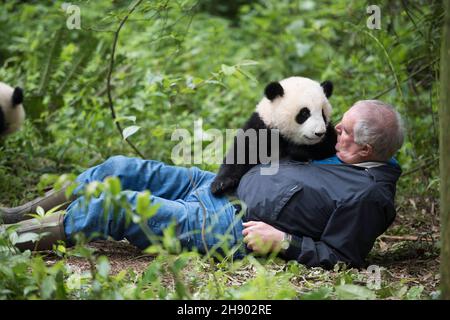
(369, 164)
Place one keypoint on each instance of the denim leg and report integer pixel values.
(221, 223)
(215, 216)
(166, 181)
(91, 219)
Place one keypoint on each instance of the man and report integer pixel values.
(333, 210)
(317, 213)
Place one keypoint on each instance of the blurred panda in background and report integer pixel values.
(12, 113)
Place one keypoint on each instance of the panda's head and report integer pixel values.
(298, 107)
(12, 113)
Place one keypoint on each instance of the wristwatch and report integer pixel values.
(286, 242)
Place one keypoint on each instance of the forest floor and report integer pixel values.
(407, 253)
(409, 250)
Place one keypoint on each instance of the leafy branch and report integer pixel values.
(406, 79)
(108, 79)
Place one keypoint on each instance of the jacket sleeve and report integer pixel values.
(348, 236)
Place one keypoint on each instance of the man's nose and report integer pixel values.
(338, 127)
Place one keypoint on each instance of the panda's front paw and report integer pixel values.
(220, 186)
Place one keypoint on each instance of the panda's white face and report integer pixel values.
(12, 113)
(301, 114)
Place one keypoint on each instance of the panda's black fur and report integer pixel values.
(229, 175)
(2, 122)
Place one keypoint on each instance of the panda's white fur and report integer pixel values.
(299, 93)
(13, 114)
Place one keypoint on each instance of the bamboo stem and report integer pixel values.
(444, 148)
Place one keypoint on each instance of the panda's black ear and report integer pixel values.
(273, 90)
(327, 88)
(17, 97)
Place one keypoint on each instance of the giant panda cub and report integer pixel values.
(12, 113)
(299, 109)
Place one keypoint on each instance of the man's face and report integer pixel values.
(346, 148)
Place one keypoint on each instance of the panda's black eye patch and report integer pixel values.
(324, 118)
(303, 115)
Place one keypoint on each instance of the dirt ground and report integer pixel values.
(121, 256)
(409, 249)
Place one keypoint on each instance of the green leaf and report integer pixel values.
(144, 207)
(248, 75)
(129, 131)
(126, 118)
(40, 211)
(103, 267)
(414, 293)
(34, 106)
(46, 180)
(228, 70)
(143, 202)
(69, 191)
(48, 286)
(154, 249)
(13, 237)
(64, 180)
(113, 185)
(94, 189)
(152, 273)
(248, 63)
(180, 263)
(61, 248)
(158, 132)
(402, 291)
(54, 209)
(29, 289)
(120, 276)
(354, 292)
(29, 236)
(319, 294)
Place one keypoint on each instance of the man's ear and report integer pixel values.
(366, 151)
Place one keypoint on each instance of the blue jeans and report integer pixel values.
(184, 198)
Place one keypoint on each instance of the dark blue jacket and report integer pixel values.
(334, 211)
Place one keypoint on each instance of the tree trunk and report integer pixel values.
(444, 148)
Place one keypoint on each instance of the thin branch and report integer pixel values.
(108, 80)
(410, 76)
(435, 132)
(405, 238)
(388, 58)
(425, 165)
(405, 8)
(49, 65)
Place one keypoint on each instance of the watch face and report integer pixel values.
(284, 245)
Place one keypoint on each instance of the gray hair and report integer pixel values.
(381, 126)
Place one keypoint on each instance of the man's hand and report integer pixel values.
(262, 237)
